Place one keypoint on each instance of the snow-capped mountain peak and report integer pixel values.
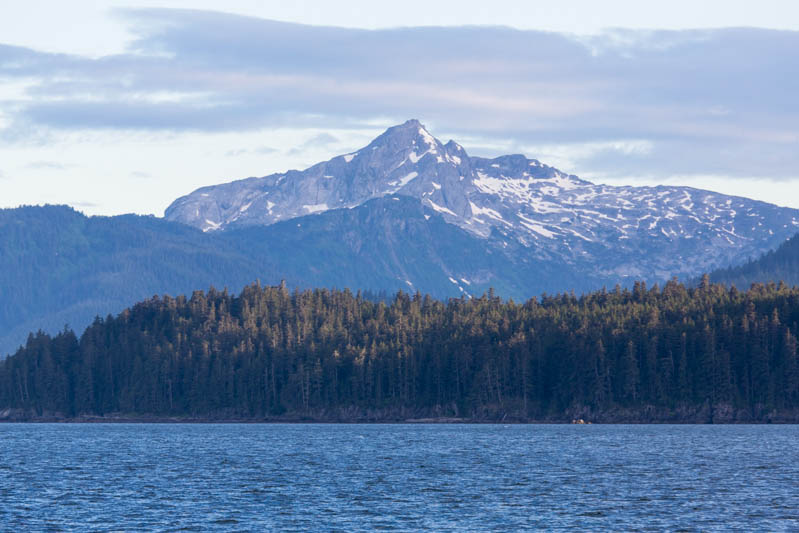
(516, 203)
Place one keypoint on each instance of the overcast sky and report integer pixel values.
(119, 107)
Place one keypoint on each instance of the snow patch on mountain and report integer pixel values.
(403, 181)
(316, 208)
(439, 208)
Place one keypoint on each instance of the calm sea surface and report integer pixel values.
(64, 477)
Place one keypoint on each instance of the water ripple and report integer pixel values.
(158, 477)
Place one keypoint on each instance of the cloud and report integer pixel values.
(261, 150)
(84, 205)
(47, 165)
(700, 101)
(321, 140)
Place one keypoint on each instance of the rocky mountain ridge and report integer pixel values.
(517, 205)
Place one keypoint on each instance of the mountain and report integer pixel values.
(777, 265)
(60, 267)
(517, 206)
(406, 212)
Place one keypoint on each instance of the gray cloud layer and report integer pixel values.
(714, 101)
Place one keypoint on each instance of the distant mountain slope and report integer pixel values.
(777, 265)
(396, 242)
(60, 267)
(618, 233)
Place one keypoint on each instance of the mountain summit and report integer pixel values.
(520, 207)
(405, 159)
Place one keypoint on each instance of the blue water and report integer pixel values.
(76, 477)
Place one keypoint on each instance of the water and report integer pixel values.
(64, 477)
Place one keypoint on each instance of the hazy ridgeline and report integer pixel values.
(781, 263)
(674, 353)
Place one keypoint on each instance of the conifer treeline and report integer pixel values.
(269, 352)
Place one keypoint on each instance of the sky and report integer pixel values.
(117, 107)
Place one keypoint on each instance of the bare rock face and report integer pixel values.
(519, 206)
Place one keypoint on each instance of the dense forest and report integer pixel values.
(648, 354)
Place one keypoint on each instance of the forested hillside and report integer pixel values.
(59, 267)
(670, 354)
(777, 265)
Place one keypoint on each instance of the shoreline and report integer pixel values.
(412, 421)
(578, 415)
